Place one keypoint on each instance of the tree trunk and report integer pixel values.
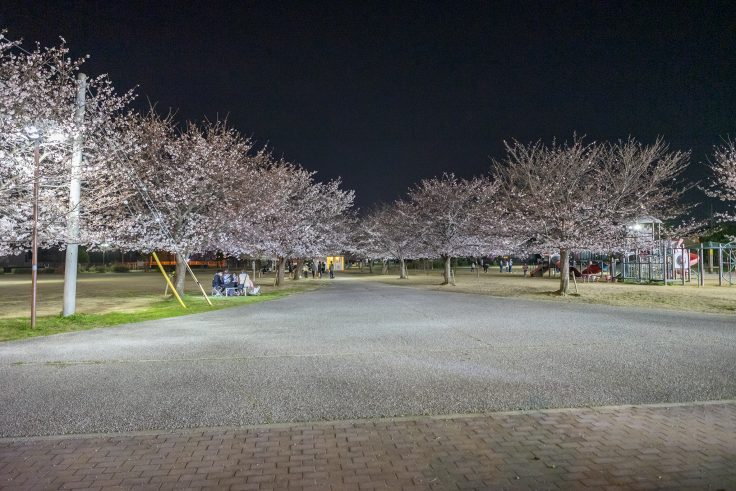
(299, 266)
(402, 269)
(447, 273)
(384, 270)
(280, 265)
(370, 266)
(564, 272)
(181, 272)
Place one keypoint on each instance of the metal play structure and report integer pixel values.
(721, 257)
(650, 258)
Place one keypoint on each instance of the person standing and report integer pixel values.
(332, 270)
(501, 265)
(525, 268)
(511, 265)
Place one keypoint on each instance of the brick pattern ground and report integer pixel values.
(643, 447)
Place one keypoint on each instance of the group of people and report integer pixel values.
(230, 284)
(504, 266)
(317, 270)
(321, 269)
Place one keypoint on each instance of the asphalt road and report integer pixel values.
(358, 350)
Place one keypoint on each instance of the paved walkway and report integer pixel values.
(358, 350)
(641, 447)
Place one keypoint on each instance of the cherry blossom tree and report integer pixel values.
(361, 242)
(451, 216)
(188, 185)
(723, 181)
(147, 184)
(37, 104)
(302, 217)
(392, 232)
(577, 195)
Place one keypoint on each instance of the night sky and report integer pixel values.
(384, 94)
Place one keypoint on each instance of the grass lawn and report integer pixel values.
(107, 299)
(709, 298)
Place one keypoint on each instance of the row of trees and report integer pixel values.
(559, 197)
(148, 183)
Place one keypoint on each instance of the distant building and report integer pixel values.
(338, 262)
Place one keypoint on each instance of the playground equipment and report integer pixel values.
(594, 268)
(553, 261)
(673, 261)
(649, 258)
(663, 261)
(725, 255)
(545, 265)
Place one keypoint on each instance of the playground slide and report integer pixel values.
(693, 259)
(593, 269)
(693, 256)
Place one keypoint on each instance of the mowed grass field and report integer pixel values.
(709, 298)
(105, 299)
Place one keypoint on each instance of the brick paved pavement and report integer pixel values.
(642, 447)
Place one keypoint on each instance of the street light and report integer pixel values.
(34, 221)
(34, 134)
(104, 248)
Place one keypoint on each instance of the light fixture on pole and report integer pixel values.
(34, 134)
(34, 233)
(104, 246)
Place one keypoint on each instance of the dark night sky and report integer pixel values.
(385, 94)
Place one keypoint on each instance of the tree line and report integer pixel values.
(558, 197)
(148, 181)
(153, 183)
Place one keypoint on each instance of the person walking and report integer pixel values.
(332, 270)
(501, 265)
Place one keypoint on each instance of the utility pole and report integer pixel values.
(75, 186)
